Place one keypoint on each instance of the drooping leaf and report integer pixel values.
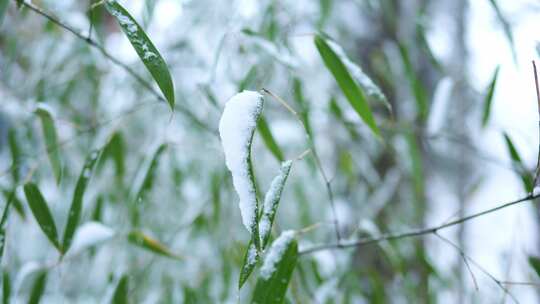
(75, 210)
(11, 195)
(276, 271)
(506, 27)
(269, 139)
(148, 176)
(41, 213)
(144, 47)
(38, 288)
(120, 295)
(142, 240)
(6, 287)
(416, 86)
(489, 97)
(535, 264)
(350, 89)
(15, 154)
(251, 258)
(526, 177)
(271, 202)
(51, 141)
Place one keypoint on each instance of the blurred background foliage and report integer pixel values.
(170, 228)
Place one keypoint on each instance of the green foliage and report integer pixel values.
(38, 288)
(146, 50)
(75, 210)
(489, 97)
(534, 262)
(49, 134)
(6, 287)
(41, 213)
(138, 238)
(350, 89)
(526, 177)
(120, 295)
(269, 140)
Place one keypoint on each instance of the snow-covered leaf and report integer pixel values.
(75, 210)
(236, 127)
(277, 269)
(90, 234)
(250, 261)
(145, 49)
(271, 202)
(345, 80)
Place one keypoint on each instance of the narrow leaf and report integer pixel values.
(38, 288)
(271, 202)
(51, 141)
(535, 264)
(269, 139)
(277, 269)
(489, 97)
(251, 258)
(350, 89)
(140, 239)
(115, 150)
(41, 212)
(120, 295)
(6, 287)
(3, 223)
(526, 177)
(77, 202)
(145, 49)
(148, 177)
(506, 27)
(15, 155)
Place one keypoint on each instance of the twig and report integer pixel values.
(482, 269)
(536, 178)
(417, 232)
(311, 143)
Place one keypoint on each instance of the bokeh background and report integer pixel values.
(433, 60)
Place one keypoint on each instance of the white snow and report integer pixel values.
(90, 234)
(536, 191)
(272, 197)
(275, 253)
(236, 127)
(252, 255)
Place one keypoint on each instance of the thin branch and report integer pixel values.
(318, 162)
(536, 178)
(482, 269)
(417, 232)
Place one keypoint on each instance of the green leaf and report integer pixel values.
(6, 287)
(120, 295)
(115, 150)
(489, 97)
(271, 202)
(276, 271)
(3, 223)
(3, 9)
(38, 288)
(506, 27)
(416, 85)
(269, 139)
(535, 264)
(144, 47)
(77, 201)
(304, 106)
(51, 141)
(251, 258)
(138, 238)
(148, 178)
(526, 177)
(15, 155)
(350, 89)
(41, 212)
(11, 195)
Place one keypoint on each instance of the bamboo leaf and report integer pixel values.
(6, 287)
(147, 180)
(506, 27)
(38, 288)
(535, 264)
(251, 258)
(120, 295)
(271, 202)
(144, 47)
(269, 139)
(526, 177)
(115, 150)
(75, 210)
(350, 89)
(51, 141)
(138, 238)
(489, 97)
(3, 223)
(15, 154)
(41, 213)
(276, 271)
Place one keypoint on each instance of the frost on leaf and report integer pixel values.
(358, 74)
(275, 253)
(236, 127)
(271, 201)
